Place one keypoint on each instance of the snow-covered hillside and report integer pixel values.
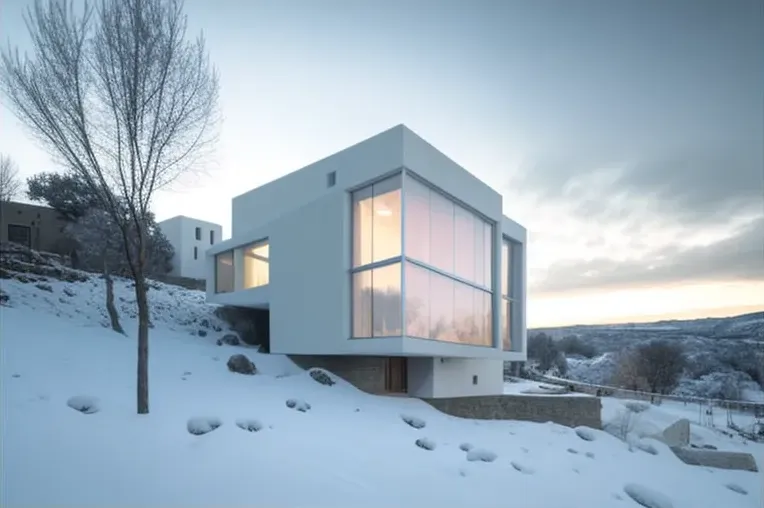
(334, 447)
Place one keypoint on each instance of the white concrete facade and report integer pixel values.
(191, 238)
(305, 265)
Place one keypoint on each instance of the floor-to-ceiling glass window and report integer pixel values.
(449, 263)
(376, 280)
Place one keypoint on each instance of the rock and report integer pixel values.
(425, 444)
(481, 455)
(201, 333)
(84, 404)
(298, 405)
(647, 497)
(676, 434)
(204, 323)
(44, 287)
(202, 425)
(414, 421)
(321, 377)
(241, 365)
(229, 339)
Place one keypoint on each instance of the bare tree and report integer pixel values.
(10, 183)
(119, 96)
(655, 367)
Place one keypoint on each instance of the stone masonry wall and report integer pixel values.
(570, 411)
(366, 373)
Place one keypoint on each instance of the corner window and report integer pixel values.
(510, 256)
(198, 233)
(224, 272)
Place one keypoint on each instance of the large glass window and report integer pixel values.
(439, 307)
(417, 301)
(442, 232)
(224, 273)
(417, 221)
(377, 302)
(377, 222)
(448, 249)
(444, 235)
(256, 265)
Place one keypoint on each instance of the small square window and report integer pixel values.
(331, 179)
(198, 233)
(474, 380)
(196, 253)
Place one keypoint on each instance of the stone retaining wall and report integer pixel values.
(366, 373)
(570, 411)
(717, 458)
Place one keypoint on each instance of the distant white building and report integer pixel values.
(190, 238)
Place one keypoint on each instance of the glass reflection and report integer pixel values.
(256, 266)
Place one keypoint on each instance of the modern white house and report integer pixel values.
(388, 259)
(191, 238)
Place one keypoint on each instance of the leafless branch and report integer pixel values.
(10, 183)
(117, 94)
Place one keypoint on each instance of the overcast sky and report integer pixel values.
(627, 136)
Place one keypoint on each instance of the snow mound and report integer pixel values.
(481, 455)
(249, 425)
(647, 497)
(84, 404)
(414, 421)
(425, 443)
(202, 425)
(298, 405)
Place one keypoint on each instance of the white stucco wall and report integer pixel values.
(181, 233)
(454, 377)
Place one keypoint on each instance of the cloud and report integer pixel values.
(694, 186)
(611, 222)
(740, 257)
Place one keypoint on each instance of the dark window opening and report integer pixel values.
(331, 179)
(196, 253)
(20, 234)
(198, 233)
(212, 237)
(474, 380)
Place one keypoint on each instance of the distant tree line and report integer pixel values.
(95, 241)
(654, 367)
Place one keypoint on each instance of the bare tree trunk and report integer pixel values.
(141, 298)
(110, 308)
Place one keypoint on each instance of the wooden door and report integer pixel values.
(396, 375)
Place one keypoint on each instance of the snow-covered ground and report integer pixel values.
(347, 449)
